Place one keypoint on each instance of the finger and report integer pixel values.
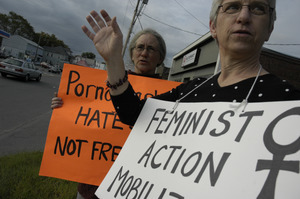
(53, 106)
(56, 99)
(105, 16)
(56, 102)
(55, 94)
(98, 19)
(92, 23)
(88, 33)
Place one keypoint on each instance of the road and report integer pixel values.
(25, 113)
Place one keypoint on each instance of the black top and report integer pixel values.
(267, 88)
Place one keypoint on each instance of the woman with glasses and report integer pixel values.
(147, 50)
(240, 28)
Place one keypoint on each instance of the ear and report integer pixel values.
(161, 60)
(213, 30)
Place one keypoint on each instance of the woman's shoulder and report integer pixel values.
(274, 81)
(277, 88)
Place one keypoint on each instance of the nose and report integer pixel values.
(244, 15)
(144, 52)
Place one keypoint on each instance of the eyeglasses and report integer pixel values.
(256, 8)
(141, 48)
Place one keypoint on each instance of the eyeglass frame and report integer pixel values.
(269, 9)
(140, 48)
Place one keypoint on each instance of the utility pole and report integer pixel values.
(136, 14)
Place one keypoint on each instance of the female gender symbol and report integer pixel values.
(279, 152)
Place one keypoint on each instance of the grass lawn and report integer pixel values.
(19, 179)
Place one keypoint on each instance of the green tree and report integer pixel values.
(16, 25)
(44, 39)
(4, 22)
(89, 55)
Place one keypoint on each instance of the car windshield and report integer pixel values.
(13, 62)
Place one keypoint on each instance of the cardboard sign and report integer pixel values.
(85, 136)
(209, 150)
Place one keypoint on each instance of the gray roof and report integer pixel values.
(58, 50)
(28, 41)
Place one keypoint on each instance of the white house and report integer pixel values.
(93, 63)
(56, 55)
(21, 48)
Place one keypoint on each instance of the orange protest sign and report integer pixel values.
(85, 136)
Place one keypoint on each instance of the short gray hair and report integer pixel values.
(162, 45)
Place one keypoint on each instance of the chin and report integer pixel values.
(244, 48)
(144, 69)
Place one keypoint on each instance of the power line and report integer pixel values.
(171, 25)
(126, 11)
(138, 18)
(142, 13)
(137, 12)
(192, 14)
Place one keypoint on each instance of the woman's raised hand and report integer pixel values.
(106, 36)
(108, 40)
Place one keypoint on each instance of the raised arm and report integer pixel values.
(108, 40)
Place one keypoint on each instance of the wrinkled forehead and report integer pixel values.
(147, 39)
(245, 1)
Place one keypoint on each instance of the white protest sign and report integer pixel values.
(209, 150)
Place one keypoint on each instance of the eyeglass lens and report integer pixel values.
(141, 48)
(257, 8)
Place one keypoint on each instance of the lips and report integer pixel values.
(244, 32)
(143, 61)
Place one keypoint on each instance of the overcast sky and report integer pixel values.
(180, 22)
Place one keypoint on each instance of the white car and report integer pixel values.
(54, 69)
(20, 68)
